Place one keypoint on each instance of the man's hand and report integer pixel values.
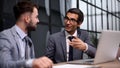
(78, 44)
(42, 62)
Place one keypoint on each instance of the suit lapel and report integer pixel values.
(76, 50)
(15, 35)
(78, 33)
(63, 45)
(13, 31)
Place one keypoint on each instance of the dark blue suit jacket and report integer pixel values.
(56, 47)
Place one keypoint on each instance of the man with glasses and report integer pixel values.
(71, 43)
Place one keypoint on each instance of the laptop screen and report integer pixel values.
(107, 46)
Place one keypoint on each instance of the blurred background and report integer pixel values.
(99, 15)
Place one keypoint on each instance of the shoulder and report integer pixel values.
(5, 38)
(82, 31)
(6, 33)
(58, 34)
(55, 36)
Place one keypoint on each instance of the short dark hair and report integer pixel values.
(22, 7)
(78, 12)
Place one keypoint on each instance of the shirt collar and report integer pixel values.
(67, 34)
(20, 32)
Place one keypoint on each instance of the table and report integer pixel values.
(111, 64)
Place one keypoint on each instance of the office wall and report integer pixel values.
(47, 25)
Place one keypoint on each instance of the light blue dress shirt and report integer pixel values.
(21, 35)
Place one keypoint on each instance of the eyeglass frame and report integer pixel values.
(70, 19)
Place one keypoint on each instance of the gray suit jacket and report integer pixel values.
(56, 47)
(10, 51)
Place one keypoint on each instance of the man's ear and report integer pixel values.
(27, 18)
(79, 23)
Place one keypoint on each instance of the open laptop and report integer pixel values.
(107, 48)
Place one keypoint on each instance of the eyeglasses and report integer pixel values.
(70, 20)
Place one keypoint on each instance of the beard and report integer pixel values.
(31, 26)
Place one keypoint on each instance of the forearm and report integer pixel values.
(12, 64)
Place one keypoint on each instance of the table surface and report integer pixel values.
(112, 64)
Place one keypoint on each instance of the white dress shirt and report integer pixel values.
(67, 42)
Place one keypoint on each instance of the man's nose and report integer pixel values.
(68, 22)
(38, 20)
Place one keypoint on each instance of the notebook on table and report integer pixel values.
(107, 48)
